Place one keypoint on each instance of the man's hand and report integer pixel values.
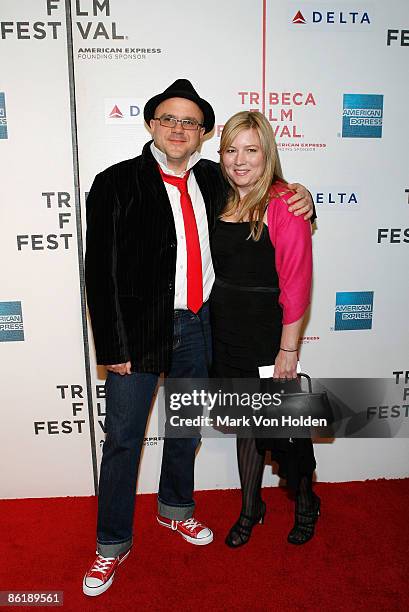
(301, 202)
(120, 368)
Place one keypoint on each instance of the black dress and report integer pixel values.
(246, 324)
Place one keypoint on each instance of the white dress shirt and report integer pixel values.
(202, 228)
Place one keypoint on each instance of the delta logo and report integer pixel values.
(116, 113)
(353, 310)
(299, 18)
(326, 16)
(362, 116)
(336, 198)
(123, 111)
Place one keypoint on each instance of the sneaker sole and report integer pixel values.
(196, 542)
(94, 591)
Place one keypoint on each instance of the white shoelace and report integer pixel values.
(191, 524)
(102, 564)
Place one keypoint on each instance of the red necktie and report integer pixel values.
(194, 258)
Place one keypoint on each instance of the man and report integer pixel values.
(148, 275)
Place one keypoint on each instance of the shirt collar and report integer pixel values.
(163, 162)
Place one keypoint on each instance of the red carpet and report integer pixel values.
(357, 561)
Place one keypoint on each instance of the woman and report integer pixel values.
(263, 264)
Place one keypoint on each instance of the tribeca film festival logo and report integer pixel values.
(353, 310)
(396, 409)
(3, 116)
(362, 116)
(90, 27)
(394, 235)
(283, 110)
(93, 23)
(318, 16)
(34, 30)
(397, 37)
(123, 111)
(73, 398)
(53, 200)
(11, 322)
(72, 395)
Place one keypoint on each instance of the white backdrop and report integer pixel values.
(72, 105)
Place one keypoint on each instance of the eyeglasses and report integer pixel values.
(171, 122)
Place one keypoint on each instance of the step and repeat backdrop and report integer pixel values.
(331, 77)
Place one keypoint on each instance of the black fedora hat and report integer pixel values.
(182, 88)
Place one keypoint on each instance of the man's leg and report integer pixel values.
(191, 359)
(128, 399)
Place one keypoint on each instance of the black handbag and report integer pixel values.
(300, 414)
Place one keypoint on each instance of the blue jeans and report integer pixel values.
(128, 400)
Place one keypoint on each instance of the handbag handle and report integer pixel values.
(308, 380)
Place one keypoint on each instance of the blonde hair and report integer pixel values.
(253, 205)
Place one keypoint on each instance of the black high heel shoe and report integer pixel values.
(305, 519)
(240, 533)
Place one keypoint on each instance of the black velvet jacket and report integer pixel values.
(130, 259)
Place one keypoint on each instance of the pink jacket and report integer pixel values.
(291, 237)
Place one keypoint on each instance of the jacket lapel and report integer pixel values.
(153, 189)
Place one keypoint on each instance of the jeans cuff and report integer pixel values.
(175, 513)
(113, 550)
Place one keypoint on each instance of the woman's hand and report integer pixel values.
(285, 365)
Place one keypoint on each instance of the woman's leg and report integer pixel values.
(251, 467)
(307, 509)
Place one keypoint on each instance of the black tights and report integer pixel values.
(249, 459)
(251, 467)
